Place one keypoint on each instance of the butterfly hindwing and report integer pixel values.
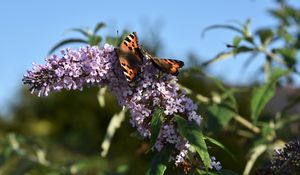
(130, 56)
(170, 66)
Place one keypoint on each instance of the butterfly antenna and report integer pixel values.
(116, 43)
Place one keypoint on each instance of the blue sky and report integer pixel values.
(30, 28)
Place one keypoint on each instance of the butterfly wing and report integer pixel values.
(130, 56)
(170, 66)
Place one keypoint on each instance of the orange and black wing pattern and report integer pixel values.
(130, 56)
(170, 66)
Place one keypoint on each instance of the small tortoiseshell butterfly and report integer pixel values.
(170, 66)
(131, 57)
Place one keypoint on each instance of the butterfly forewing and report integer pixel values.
(130, 56)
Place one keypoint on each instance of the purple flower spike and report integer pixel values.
(100, 67)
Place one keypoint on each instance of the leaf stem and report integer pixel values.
(246, 123)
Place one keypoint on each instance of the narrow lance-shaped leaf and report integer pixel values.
(246, 30)
(261, 95)
(67, 41)
(159, 162)
(219, 57)
(243, 49)
(191, 131)
(156, 123)
(236, 41)
(289, 55)
(223, 114)
(220, 26)
(115, 41)
(98, 27)
(265, 36)
(94, 40)
(85, 33)
(215, 142)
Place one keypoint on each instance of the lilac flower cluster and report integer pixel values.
(74, 69)
(152, 90)
(216, 165)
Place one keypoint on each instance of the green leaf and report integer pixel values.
(265, 36)
(215, 142)
(94, 40)
(242, 49)
(82, 31)
(261, 95)
(98, 27)
(284, 121)
(115, 41)
(246, 30)
(277, 73)
(228, 94)
(236, 41)
(156, 123)
(230, 100)
(191, 131)
(223, 114)
(219, 57)
(159, 162)
(220, 26)
(65, 42)
(218, 83)
(267, 130)
(289, 55)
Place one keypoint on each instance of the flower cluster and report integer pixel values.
(215, 164)
(89, 65)
(151, 90)
(287, 160)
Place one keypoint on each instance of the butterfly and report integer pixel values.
(170, 66)
(130, 56)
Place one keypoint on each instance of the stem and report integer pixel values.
(267, 69)
(237, 117)
(246, 123)
(255, 153)
(272, 55)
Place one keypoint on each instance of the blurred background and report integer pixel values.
(62, 133)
